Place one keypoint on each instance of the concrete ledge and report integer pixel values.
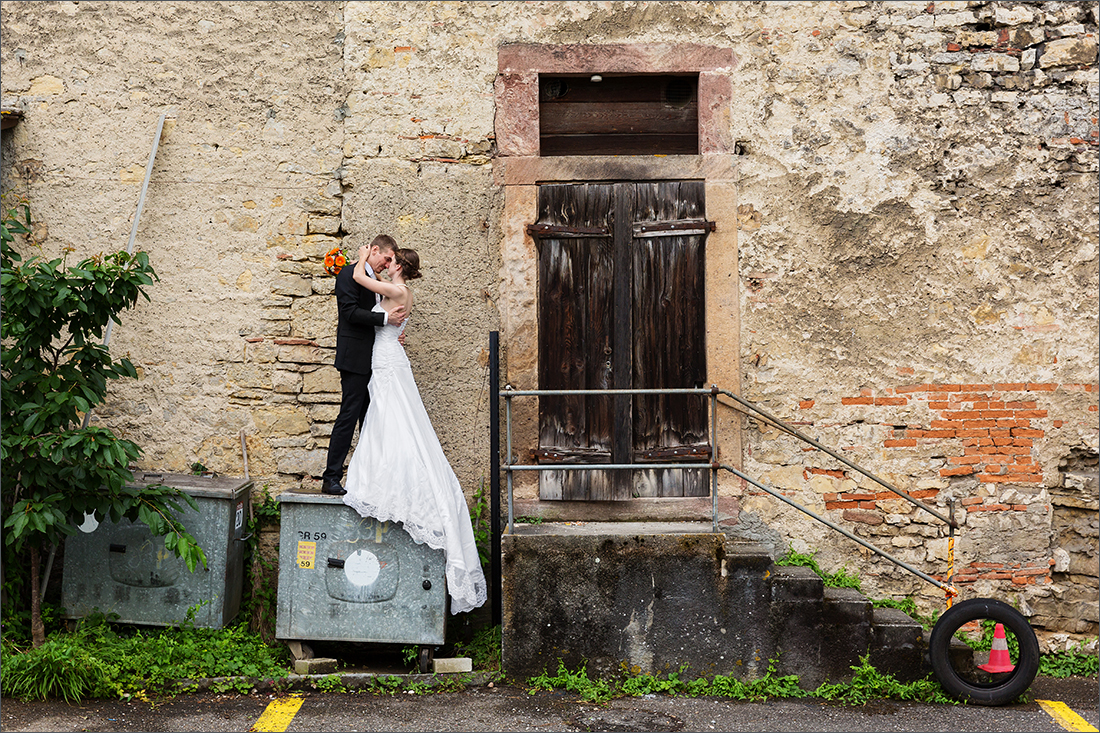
(846, 615)
(601, 529)
(794, 583)
(796, 622)
(608, 598)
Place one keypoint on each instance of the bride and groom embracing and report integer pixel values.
(398, 472)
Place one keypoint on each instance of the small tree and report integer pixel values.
(54, 371)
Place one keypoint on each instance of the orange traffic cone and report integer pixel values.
(999, 661)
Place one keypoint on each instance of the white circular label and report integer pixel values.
(362, 567)
(90, 523)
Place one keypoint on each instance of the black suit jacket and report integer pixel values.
(355, 323)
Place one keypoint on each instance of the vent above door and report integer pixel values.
(619, 115)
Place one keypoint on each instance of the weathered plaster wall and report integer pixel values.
(919, 257)
(242, 174)
(260, 172)
(918, 240)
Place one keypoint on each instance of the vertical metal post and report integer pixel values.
(951, 550)
(495, 575)
(714, 458)
(508, 458)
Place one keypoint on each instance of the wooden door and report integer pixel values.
(621, 306)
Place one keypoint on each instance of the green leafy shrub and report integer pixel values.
(55, 371)
(596, 690)
(61, 667)
(909, 607)
(483, 530)
(98, 660)
(260, 603)
(867, 684)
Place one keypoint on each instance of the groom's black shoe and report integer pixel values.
(333, 487)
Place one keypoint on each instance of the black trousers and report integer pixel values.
(353, 408)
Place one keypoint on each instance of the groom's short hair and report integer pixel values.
(385, 242)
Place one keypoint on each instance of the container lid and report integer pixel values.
(216, 487)
(308, 496)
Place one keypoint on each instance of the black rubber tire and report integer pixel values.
(424, 661)
(1002, 690)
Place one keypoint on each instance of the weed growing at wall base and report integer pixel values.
(1075, 662)
(867, 684)
(840, 579)
(483, 650)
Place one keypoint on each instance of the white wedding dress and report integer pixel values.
(398, 472)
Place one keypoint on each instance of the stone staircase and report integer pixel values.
(652, 598)
(823, 631)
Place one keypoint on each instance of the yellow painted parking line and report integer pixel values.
(278, 715)
(1065, 717)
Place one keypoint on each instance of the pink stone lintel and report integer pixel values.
(632, 58)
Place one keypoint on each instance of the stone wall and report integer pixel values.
(916, 233)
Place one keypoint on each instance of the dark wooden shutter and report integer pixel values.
(621, 306)
(576, 276)
(669, 332)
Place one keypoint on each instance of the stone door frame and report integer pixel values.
(519, 169)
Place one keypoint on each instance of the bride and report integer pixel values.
(398, 472)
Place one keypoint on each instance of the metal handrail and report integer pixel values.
(805, 438)
(511, 467)
(946, 587)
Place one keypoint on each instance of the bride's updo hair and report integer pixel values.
(409, 261)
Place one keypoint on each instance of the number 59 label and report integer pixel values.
(307, 555)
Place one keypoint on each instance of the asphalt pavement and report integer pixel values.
(513, 708)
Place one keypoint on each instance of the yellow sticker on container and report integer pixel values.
(307, 555)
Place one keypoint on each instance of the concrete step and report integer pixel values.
(897, 644)
(846, 617)
(797, 622)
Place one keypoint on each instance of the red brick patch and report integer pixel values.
(902, 443)
(995, 429)
(957, 471)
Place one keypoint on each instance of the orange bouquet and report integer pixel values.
(335, 261)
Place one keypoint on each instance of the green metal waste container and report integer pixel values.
(122, 568)
(343, 577)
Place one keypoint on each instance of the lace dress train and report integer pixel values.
(399, 472)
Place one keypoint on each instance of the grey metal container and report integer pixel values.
(121, 568)
(343, 577)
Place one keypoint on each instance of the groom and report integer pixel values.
(354, 348)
